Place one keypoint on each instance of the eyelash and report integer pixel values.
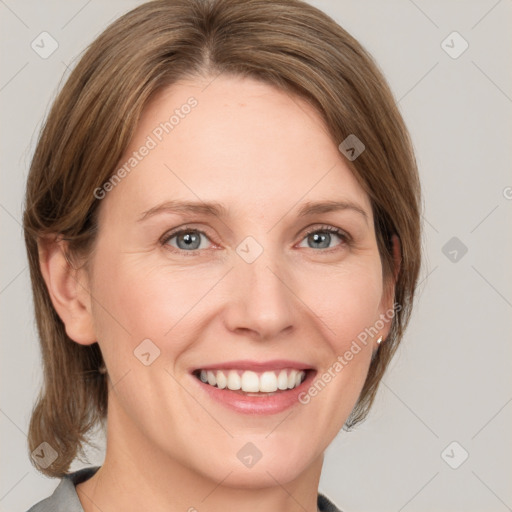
(345, 238)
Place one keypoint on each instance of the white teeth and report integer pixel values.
(234, 382)
(282, 380)
(291, 379)
(252, 382)
(222, 381)
(268, 382)
(211, 378)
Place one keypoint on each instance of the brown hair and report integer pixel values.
(286, 43)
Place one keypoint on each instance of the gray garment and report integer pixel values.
(65, 498)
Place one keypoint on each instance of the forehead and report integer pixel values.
(236, 141)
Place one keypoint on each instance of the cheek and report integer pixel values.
(347, 300)
(136, 300)
(347, 306)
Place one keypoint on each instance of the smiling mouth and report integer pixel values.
(249, 382)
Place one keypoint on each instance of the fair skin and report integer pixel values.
(263, 154)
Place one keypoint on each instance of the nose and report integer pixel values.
(261, 298)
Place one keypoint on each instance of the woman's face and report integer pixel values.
(258, 286)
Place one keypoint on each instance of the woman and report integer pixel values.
(222, 224)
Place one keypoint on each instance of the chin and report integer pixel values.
(277, 467)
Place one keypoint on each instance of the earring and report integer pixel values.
(102, 369)
(379, 340)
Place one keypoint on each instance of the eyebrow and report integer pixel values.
(212, 209)
(215, 209)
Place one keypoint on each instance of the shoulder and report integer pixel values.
(65, 498)
(326, 505)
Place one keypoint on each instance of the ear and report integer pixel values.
(68, 289)
(388, 296)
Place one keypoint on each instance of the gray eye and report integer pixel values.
(322, 238)
(186, 240)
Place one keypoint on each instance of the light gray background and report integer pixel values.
(451, 379)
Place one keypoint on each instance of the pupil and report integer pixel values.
(189, 239)
(319, 238)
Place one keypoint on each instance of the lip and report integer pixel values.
(256, 404)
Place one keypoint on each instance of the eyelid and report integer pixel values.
(329, 228)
